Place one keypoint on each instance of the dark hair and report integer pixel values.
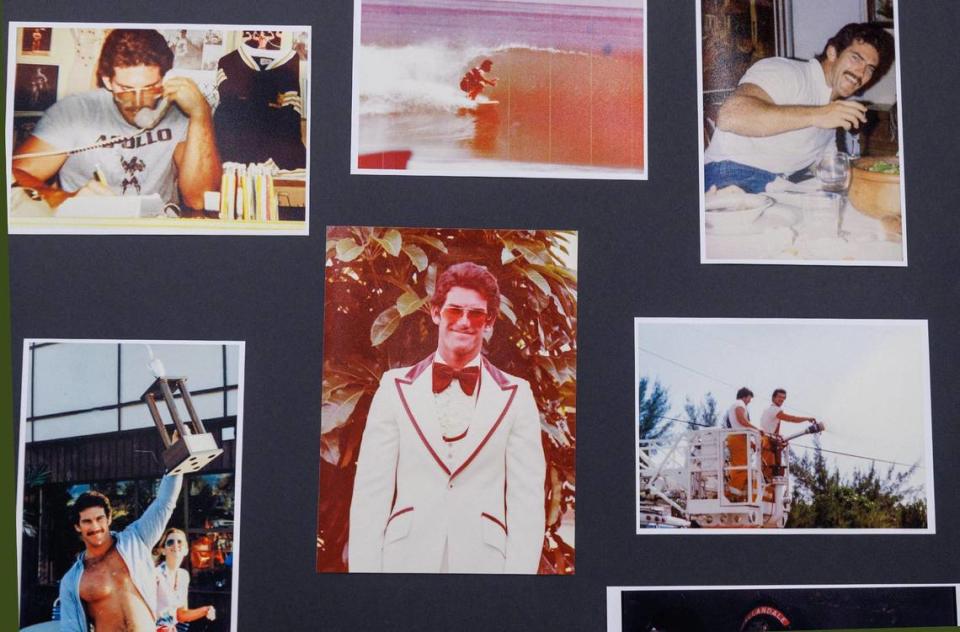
(125, 48)
(778, 390)
(86, 500)
(872, 34)
(744, 392)
(471, 276)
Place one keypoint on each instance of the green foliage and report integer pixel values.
(866, 500)
(377, 317)
(651, 409)
(702, 415)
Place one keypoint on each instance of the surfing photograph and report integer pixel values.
(128, 507)
(783, 426)
(449, 411)
(766, 608)
(502, 88)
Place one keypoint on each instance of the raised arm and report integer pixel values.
(149, 527)
(197, 159)
(750, 111)
(374, 483)
(782, 416)
(526, 470)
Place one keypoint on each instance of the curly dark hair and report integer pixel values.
(744, 392)
(124, 48)
(86, 500)
(471, 276)
(872, 34)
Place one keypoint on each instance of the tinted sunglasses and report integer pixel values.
(476, 317)
(139, 97)
(172, 541)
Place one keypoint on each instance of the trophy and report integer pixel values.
(191, 447)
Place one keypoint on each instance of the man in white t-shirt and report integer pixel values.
(770, 423)
(773, 415)
(784, 114)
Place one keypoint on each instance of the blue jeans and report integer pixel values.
(727, 172)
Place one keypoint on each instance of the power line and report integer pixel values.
(805, 447)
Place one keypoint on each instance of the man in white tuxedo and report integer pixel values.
(450, 476)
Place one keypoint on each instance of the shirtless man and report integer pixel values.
(473, 82)
(113, 582)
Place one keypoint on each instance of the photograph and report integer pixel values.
(500, 88)
(129, 485)
(159, 129)
(448, 420)
(36, 41)
(35, 88)
(908, 607)
(783, 426)
(801, 143)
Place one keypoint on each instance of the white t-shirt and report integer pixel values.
(140, 166)
(732, 421)
(788, 82)
(768, 421)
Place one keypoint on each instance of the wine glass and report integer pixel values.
(833, 172)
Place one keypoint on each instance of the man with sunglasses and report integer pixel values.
(156, 132)
(784, 114)
(113, 583)
(450, 475)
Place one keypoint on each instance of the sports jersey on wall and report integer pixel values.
(260, 108)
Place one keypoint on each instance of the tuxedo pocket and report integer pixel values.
(398, 526)
(494, 533)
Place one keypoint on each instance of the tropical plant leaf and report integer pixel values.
(537, 280)
(430, 284)
(391, 241)
(432, 241)
(348, 249)
(384, 325)
(409, 302)
(417, 256)
(335, 412)
(507, 310)
(531, 256)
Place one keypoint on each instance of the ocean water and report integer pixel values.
(558, 66)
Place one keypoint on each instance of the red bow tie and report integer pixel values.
(443, 375)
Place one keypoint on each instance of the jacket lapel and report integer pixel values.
(415, 389)
(493, 401)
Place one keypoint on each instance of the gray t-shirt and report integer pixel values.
(139, 166)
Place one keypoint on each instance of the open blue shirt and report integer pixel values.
(135, 545)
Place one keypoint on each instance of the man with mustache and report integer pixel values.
(784, 114)
(113, 583)
(450, 476)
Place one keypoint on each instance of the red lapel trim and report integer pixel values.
(408, 379)
(504, 385)
(395, 514)
(495, 521)
(458, 437)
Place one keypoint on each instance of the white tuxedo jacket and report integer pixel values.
(488, 510)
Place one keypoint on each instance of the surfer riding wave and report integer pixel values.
(474, 80)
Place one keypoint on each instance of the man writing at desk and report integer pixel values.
(161, 128)
(785, 113)
(113, 583)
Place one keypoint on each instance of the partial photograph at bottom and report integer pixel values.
(129, 485)
(797, 608)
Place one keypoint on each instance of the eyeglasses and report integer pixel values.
(476, 317)
(172, 541)
(139, 97)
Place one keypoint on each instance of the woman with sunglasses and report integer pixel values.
(172, 584)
